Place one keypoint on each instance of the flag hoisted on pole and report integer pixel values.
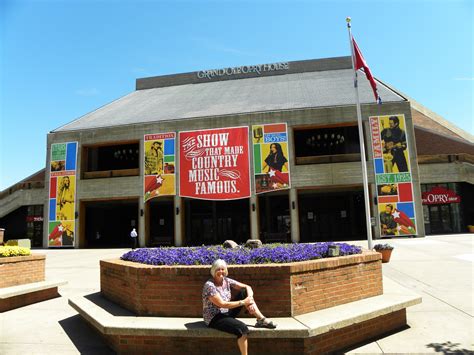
(358, 62)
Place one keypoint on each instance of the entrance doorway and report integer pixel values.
(213, 222)
(160, 222)
(274, 216)
(440, 219)
(332, 215)
(108, 223)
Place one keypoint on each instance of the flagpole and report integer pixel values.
(362, 144)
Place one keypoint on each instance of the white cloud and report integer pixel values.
(464, 79)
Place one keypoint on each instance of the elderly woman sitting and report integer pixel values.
(220, 310)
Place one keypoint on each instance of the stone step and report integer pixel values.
(110, 319)
(18, 290)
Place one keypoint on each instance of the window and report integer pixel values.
(327, 144)
(111, 160)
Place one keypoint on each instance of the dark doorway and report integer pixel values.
(108, 223)
(213, 222)
(161, 222)
(332, 216)
(274, 213)
(440, 218)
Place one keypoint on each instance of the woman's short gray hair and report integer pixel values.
(217, 265)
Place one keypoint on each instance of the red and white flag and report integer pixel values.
(359, 63)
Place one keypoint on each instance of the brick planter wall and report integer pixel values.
(281, 290)
(19, 270)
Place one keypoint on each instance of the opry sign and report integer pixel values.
(245, 69)
(439, 195)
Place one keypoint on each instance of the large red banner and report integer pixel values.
(214, 164)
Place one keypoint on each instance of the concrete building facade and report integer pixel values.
(313, 98)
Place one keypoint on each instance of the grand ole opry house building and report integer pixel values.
(267, 152)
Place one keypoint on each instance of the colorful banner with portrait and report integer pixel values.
(160, 165)
(270, 157)
(62, 194)
(214, 164)
(393, 175)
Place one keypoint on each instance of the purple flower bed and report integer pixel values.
(206, 255)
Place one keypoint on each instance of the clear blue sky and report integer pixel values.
(62, 59)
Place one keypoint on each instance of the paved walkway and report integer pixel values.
(439, 268)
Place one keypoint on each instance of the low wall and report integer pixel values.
(281, 290)
(332, 342)
(19, 270)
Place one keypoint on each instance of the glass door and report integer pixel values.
(440, 219)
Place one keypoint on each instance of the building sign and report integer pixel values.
(439, 195)
(62, 194)
(245, 69)
(214, 164)
(270, 157)
(160, 165)
(34, 218)
(393, 175)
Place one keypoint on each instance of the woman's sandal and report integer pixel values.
(265, 323)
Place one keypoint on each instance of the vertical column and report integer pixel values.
(141, 201)
(254, 230)
(141, 222)
(295, 225)
(178, 226)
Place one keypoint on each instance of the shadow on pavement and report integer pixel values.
(448, 348)
(374, 339)
(109, 306)
(84, 338)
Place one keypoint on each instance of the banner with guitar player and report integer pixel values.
(393, 177)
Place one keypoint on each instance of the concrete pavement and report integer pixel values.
(439, 268)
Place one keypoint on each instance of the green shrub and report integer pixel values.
(7, 251)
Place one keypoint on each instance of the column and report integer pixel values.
(141, 222)
(178, 226)
(295, 223)
(254, 227)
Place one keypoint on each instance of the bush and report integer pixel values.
(7, 251)
(206, 255)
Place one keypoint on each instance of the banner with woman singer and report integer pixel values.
(62, 194)
(270, 157)
(214, 164)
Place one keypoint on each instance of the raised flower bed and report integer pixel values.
(22, 280)
(283, 287)
(19, 267)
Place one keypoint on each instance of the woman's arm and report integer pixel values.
(239, 285)
(219, 302)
